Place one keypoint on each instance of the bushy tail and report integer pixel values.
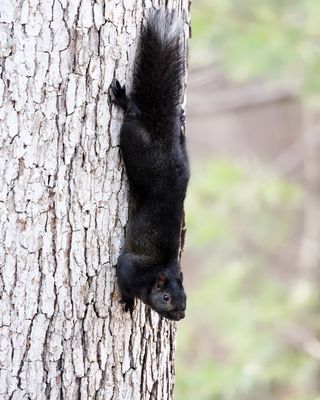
(159, 71)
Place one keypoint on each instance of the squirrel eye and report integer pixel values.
(166, 298)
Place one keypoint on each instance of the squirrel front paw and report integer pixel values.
(128, 303)
(119, 93)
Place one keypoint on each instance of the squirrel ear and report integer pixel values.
(161, 280)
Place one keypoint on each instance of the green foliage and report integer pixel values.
(234, 197)
(260, 37)
(231, 346)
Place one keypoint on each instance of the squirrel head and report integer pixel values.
(167, 296)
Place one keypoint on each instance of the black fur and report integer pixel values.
(156, 161)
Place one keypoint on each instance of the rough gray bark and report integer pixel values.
(63, 208)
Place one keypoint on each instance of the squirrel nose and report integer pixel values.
(180, 315)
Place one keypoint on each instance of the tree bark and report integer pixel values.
(63, 208)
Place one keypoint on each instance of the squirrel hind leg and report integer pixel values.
(121, 98)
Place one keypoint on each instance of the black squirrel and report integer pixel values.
(156, 161)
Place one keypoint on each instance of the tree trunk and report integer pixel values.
(63, 208)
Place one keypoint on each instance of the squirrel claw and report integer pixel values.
(182, 117)
(128, 303)
(119, 93)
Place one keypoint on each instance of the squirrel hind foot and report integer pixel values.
(119, 94)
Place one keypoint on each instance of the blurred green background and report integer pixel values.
(259, 37)
(252, 325)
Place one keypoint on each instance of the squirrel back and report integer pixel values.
(159, 71)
